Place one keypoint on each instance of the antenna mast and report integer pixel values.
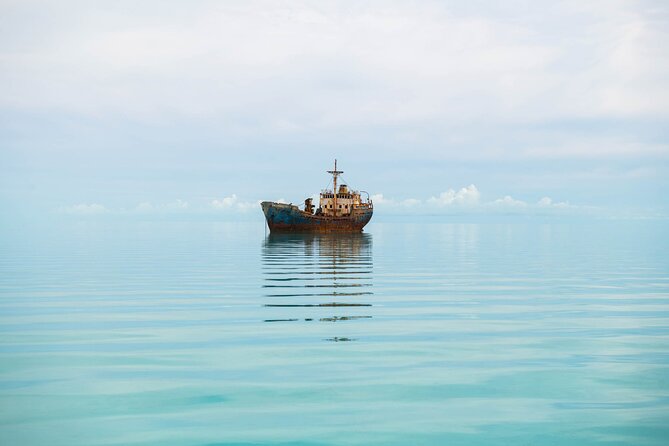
(335, 173)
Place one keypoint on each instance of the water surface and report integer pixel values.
(206, 333)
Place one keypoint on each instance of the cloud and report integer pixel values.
(509, 202)
(85, 209)
(464, 200)
(247, 60)
(547, 202)
(177, 205)
(379, 199)
(172, 100)
(465, 197)
(230, 203)
(233, 203)
(468, 199)
(468, 196)
(225, 203)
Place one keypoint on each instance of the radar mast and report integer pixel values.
(335, 173)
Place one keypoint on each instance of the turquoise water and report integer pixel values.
(207, 333)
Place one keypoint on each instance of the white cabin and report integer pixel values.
(345, 201)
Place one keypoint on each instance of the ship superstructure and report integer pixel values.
(343, 202)
(339, 209)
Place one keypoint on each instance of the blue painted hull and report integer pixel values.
(288, 218)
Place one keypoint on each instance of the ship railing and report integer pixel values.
(366, 193)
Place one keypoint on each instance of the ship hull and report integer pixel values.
(288, 218)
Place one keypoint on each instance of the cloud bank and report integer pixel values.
(295, 67)
(467, 196)
(232, 203)
(469, 199)
(137, 101)
(464, 200)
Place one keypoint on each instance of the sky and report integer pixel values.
(135, 108)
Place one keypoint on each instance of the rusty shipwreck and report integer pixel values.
(340, 209)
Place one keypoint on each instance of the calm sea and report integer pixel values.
(432, 333)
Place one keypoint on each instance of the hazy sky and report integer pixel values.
(192, 106)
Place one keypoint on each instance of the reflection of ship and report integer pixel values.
(309, 276)
(339, 210)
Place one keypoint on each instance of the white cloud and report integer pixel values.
(509, 202)
(468, 199)
(469, 196)
(177, 205)
(368, 64)
(547, 202)
(379, 199)
(85, 209)
(225, 203)
(232, 202)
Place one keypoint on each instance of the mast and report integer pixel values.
(335, 173)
